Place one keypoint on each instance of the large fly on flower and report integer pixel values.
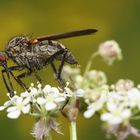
(34, 54)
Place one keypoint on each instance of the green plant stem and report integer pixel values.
(73, 132)
(50, 137)
(90, 62)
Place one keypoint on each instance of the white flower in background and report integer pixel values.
(77, 81)
(19, 105)
(124, 85)
(68, 72)
(95, 78)
(110, 51)
(76, 93)
(91, 95)
(79, 92)
(117, 98)
(116, 114)
(52, 98)
(95, 106)
(134, 98)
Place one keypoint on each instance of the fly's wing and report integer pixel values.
(67, 35)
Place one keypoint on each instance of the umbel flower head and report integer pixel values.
(40, 99)
(42, 103)
(122, 106)
(110, 51)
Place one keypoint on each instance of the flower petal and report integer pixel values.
(25, 94)
(80, 93)
(126, 113)
(41, 100)
(50, 106)
(14, 114)
(89, 113)
(106, 116)
(46, 89)
(115, 120)
(13, 108)
(111, 119)
(55, 91)
(33, 91)
(7, 103)
(2, 108)
(26, 100)
(19, 100)
(59, 99)
(26, 109)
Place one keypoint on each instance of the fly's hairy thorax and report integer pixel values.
(36, 55)
(44, 52)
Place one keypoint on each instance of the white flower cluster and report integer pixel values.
(116, 105)
(41, 100)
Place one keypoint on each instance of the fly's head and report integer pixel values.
(16, 45)
(3, 59)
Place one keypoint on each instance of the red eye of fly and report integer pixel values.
(2, 57)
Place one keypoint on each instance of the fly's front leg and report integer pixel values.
(17, 78)
(60, 81)
(7, 87)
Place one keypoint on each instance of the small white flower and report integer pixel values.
(51, 99)
(69, 72)
(95, 106)
(134, 97)
(20, 105)
(110, 51)
(6, 104)
(9, 102)
(96, 78)
(93, 94)
(124, 85)
(116, 114)
(79, 92)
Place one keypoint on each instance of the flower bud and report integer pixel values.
(110, 51)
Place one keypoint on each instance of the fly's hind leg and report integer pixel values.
(59, 71)
(59, 78)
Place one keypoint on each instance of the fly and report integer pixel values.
(34, 54)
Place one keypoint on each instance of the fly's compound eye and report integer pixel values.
(3, 58)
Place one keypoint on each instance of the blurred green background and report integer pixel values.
(115, 19)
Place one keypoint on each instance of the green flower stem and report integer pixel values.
(90, 62)
(73, 132)
(50, 137)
